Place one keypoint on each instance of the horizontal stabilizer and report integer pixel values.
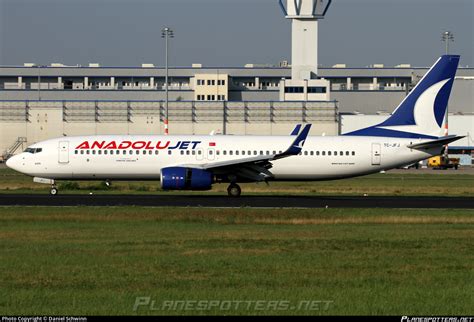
(435, 143)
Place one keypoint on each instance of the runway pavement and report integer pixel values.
(255, 201)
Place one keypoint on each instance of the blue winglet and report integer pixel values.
(296, 130)
(298, 143)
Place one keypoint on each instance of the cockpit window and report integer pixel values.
(33, 150)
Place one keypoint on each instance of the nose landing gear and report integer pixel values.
(54, 190)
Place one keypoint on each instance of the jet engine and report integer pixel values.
(179, 178)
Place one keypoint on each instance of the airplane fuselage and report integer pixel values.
(143, 157)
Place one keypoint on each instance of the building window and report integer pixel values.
(317, 90)
(294, 89)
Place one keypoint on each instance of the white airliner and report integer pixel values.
(412, 133)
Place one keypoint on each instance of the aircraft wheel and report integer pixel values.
(53, 191)
(234, 190)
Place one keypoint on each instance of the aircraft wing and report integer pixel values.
(256, 168)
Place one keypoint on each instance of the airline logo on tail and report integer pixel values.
(425, 119)
(421, 113)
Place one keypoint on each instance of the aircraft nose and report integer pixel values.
(12, 163)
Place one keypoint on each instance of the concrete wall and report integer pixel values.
(42, 120)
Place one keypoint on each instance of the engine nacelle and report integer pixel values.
(179, 178)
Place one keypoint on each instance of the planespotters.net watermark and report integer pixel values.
(436, 319)
(147, 303)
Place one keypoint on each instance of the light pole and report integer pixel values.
(166, 33)
(447, 37)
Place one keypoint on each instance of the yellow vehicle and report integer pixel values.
(441, 162)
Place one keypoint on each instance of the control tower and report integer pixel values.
(305, 16)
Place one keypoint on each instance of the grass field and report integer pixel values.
(366, 261)
(453, 183)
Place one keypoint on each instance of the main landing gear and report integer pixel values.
(234, 190)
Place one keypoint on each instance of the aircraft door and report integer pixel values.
(376, 153)
(63, 150)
